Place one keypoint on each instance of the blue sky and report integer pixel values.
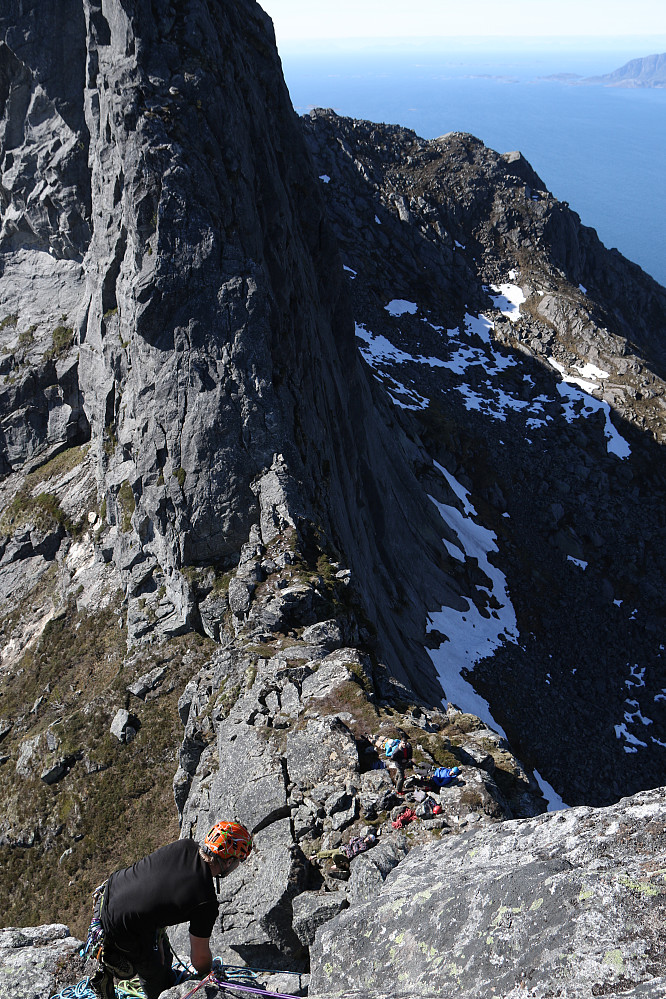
(308, 19)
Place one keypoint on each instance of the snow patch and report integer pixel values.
(632, 743)
(579, 403)
(577, 561)
(633, 714)
(508, 298)
(555, 803)
(592, 371)
(399, 307)
(471, 635)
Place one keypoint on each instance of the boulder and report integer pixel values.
(326, 633)
(124, 726)
(26, 756)
(312, 909)
(32, 958)
(148, 682)
(55, 773)
(325, 746)
(572, 903)
(369, 870)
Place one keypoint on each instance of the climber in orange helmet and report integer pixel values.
(175, 884)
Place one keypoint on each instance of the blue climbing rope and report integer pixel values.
(78, 991)
(128, 989)
(223, 975)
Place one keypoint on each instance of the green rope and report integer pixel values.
(130, 988)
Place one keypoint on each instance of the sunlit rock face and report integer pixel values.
(289, 388)
(173, 295)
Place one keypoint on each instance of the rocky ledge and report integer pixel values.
(35, 960)
(569, 904)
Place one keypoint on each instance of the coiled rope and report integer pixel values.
(131, 989)
(128, 989)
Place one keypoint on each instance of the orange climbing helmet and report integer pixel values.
(227, 840)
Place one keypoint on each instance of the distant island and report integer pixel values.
(647, 72)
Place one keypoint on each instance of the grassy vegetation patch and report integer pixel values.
(62, 340)
(77, 654)
(42, 512)
(110, 439)
(126, 506)
(27, 337)
(350, 697)
(58, 466)
(221, 583)
(116, 804)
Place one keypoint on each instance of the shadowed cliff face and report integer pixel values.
(161, 216)
(531, 359)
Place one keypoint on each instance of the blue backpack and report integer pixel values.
(391, 747)
(444, 775)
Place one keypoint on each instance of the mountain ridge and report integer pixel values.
(288, 462)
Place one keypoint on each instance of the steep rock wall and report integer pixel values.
(163, 234)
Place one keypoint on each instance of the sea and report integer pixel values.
(602, 149)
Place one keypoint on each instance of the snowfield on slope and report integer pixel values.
(490, 620)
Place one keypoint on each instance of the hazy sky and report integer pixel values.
(294, 19)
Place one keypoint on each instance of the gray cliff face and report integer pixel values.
(172, 295)
(180, 381)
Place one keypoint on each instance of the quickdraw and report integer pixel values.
(95, 942)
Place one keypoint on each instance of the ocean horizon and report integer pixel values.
(601, 149)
